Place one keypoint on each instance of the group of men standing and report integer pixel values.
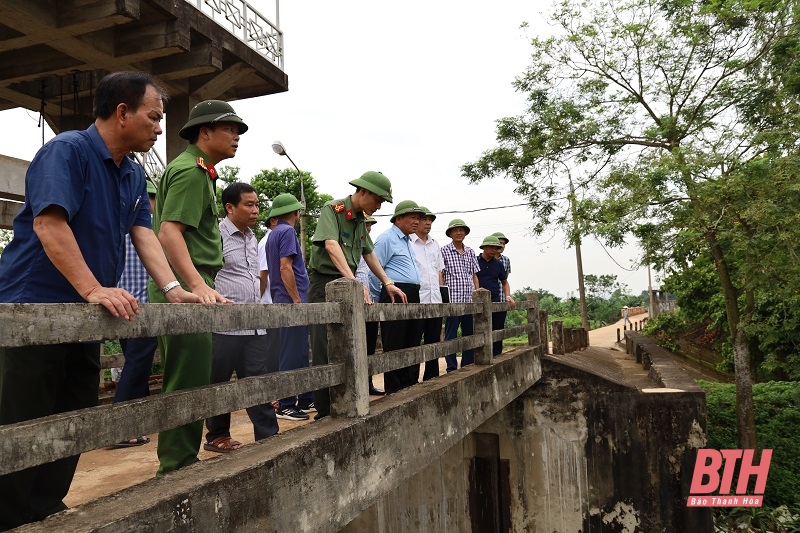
(85, 198)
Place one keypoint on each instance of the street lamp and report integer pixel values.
(279, 149)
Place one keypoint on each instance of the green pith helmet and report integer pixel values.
(500, 236)
(151, 187)
(491, 240)
(375, 182)
(370, 220)
(282, 204)
(456, 223)
(404, 208)
(428, 213)
(209, 112)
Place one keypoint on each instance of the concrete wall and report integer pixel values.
(574, 453)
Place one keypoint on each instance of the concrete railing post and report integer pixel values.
(483, 326)
(543, 331)
(533, 318)
(347, 343)
(557, 335)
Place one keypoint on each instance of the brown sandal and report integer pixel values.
(222, 445)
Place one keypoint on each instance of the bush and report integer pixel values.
(777, 407)
(666, 329)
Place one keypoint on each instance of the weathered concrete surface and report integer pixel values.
(579, 452)
(319, 477)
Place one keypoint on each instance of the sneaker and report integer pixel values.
(306, 407)
(291, 413)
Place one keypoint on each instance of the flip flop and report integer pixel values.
(138, 441)
(222, 445)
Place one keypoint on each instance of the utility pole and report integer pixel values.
(577, 238)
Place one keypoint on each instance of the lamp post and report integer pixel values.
(279, 149)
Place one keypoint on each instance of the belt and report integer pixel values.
(211, 271)
(317, 274)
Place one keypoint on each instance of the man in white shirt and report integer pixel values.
(428, 257)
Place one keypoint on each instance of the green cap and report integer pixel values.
(456, 223)
(491, 240)
(375, 182)
(428, 212)
(500, 236)
(370, 220)
(209, 112)
(404, 208)
(282, 204)
(151, 187)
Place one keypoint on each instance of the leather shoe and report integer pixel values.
(375, 391)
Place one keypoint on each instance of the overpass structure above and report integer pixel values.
(52, 54)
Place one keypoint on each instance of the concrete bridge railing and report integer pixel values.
(66, 434)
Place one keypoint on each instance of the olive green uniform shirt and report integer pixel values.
(338, 222)
(186, 194)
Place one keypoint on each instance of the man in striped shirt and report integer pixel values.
(243, 351)
(134, 379)
(460, 276)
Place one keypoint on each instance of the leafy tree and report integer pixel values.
(680, 114)
(269, 184)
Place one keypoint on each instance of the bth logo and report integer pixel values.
(706, 478)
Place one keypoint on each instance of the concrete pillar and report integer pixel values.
(347, 343)
(558, 337)
(483, 326)
(177, 114)
(533, 318)
(543, 331)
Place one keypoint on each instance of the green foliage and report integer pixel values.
(666, 329)
(269, 184)
(678, 122)
(777, 408)
(111, 347)
(763, 519)
(5, 238)
(604, 301)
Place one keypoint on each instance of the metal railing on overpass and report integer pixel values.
(248, 25)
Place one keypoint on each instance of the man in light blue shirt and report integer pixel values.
(393, 251)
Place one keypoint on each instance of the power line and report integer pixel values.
(466, 211)
(615, 261)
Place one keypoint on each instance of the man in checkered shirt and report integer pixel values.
(460, 269)
(133, 381)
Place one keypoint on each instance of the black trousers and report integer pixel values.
(135, 380)
(431, 334)
(248, 356)
(37, 381)
(319, 339)
(399, 334)
(498, 322)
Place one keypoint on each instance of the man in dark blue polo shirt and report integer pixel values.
(492, 277)
(288, 283)
(82, 196)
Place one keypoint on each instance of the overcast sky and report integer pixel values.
(411, 89)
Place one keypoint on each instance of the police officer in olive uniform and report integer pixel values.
(341, 239)
(186, 220)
